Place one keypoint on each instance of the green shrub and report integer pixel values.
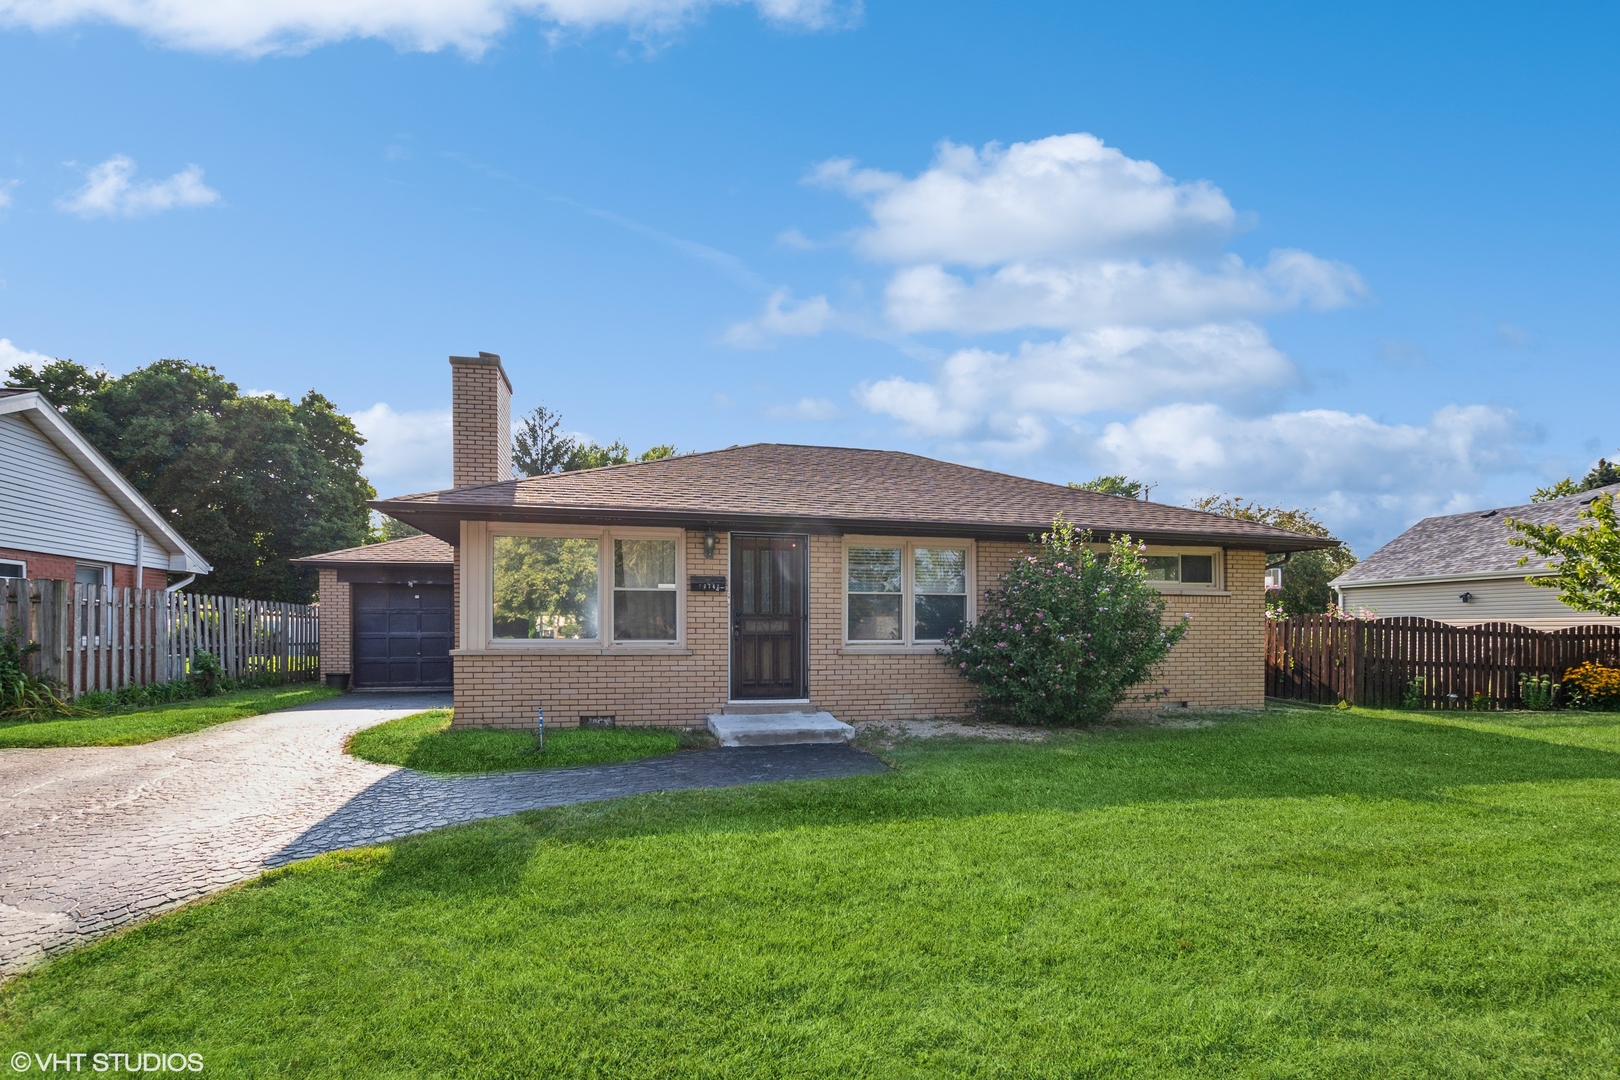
(1067, 635)
(165, 693)
(1417, 694)
(206, 673)
(1537, 693)
(23, 694)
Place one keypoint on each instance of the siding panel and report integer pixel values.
(1511, 600)
(51, 506)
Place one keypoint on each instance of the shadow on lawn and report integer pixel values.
(1284, 756)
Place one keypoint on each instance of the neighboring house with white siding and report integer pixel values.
(1460, 569)
(68, 514)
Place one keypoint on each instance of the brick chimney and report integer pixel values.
(480, 420)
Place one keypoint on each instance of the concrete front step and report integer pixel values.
(777, 729)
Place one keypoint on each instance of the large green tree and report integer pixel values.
(540, 447)
(1604, 473)
(1305, 574)
(251, 481)
(1585, 560)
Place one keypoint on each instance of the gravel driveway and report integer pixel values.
(94, 838)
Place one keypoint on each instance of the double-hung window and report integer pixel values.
(644, 594)
(905, 592)
(595, 587)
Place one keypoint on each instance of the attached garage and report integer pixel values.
(402, 635)
(387, 615)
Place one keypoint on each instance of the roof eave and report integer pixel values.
(443, 521)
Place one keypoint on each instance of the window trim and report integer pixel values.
(604, 537)
(105, 568)
(23, 563)
(908, 616)
(1175, 588)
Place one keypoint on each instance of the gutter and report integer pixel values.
(1441, 579)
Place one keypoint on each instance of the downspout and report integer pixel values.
(140, 561)
(182, 583)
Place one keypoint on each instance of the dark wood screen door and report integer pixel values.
(767, 616)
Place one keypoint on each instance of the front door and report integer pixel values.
(768, 616)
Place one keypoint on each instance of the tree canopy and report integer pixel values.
(1604, 473)
(1113, 485)
(540, 447)
(1306, 574)
(250, 481)
(1586, 572)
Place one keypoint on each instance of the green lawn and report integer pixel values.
(425, 742)
(1298, 894)
(159, 721)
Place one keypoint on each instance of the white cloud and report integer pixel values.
(804, 409)
(109, 192)
(11, 356)
(1066, 195)
(781, 318)
(1065, 233)
(405, 452)
(268, 26)
(1064, 296)
(6, 188)
(1361, 473)
(1105, 370)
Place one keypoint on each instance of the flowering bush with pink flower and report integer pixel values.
(1068, 635)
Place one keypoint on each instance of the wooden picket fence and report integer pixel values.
(101, 638)
(1326, 660)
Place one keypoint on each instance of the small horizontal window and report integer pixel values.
(13, 570)
(1181, 569)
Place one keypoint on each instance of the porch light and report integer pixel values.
(708, 543)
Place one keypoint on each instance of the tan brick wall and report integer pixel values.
(1219, 664)
(480, 421)
(673, 689)
(336, 636)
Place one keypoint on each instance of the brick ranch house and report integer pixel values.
(666, 591)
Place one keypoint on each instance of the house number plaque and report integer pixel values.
(706, 583)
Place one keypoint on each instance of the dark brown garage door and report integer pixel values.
(401, 635)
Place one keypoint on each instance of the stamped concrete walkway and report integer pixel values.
(95, 838)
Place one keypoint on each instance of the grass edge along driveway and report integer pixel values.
(425, 741)
(158, 721)
(1292, 894)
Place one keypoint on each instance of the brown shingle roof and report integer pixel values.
(1471, 543)
(776, 485)
(411, 551)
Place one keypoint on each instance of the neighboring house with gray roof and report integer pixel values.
(1460, 569)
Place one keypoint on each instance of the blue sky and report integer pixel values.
(1355, 259)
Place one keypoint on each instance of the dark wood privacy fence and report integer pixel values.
(1327, 660)
(98, 638)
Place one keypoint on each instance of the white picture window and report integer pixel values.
(905, 592)
(547, 587)
(586, 587)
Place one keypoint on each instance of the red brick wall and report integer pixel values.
(61, 568)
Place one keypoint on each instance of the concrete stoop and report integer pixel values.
(778, 728)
